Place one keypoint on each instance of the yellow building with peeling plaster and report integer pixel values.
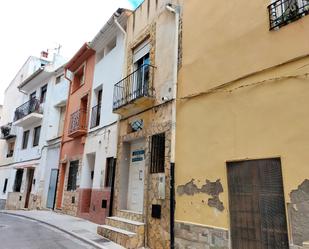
(242, 131)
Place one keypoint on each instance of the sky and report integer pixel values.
(30, 26)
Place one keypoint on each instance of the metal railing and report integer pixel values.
(31, 106)
(136, 85)
(282, 12)
(10, 153)
(95, 116)
(7, 131)
(78, 121)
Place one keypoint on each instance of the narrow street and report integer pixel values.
(20, 233)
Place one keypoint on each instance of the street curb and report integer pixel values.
(88, 241)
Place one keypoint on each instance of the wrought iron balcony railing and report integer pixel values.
(95, 116)
(10, 153)
(282, 12)
(78, 121)
(7, 131)
(31, 106)
(136, 85)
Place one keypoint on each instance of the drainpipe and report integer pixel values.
(118, 120)
(175, 9)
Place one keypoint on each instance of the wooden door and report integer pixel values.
(257, 206)
(30, 173)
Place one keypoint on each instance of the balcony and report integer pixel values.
(135, 91)
(28, 113)
(78, 125)
(283, 12)
(10, 154)
(8, 131)
(95, 116)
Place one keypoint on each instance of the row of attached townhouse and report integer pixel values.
(94, 135)
(180, 125)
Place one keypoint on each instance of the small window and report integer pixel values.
(25, 139)
(10, 151)
(61, 119)
(5, 185)
(32, 95)
(59, 78)
(72, 178)
(36, 136)
(43, 93)
(109, 171)
(18, 180)
(157, 153)
(79, 78)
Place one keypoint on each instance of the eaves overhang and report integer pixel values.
(38, 77)
(82, 55)
(106, 33)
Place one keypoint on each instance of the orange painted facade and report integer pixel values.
(81, 68)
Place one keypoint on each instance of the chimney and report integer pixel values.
(44, 54)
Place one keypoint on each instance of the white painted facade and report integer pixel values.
(45, 155)
(12, 99)
(101, 142)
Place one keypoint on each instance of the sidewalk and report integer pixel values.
(79, 228)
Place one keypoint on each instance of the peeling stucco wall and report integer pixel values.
(210, 188)
(299, 213)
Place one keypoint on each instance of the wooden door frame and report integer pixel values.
(29, 182)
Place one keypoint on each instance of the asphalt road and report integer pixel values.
(20, 233)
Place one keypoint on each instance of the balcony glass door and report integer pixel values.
(141, 81)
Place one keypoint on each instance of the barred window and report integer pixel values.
(157, 153)
(72, 178)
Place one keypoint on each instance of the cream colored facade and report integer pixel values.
(243, 94)
(141, 207)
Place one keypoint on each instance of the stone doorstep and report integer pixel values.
(120, 236)
(126, 224)
(306, 244)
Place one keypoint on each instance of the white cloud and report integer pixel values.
(28, 27)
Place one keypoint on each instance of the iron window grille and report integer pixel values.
(136, 85)
(31, 106)
(157, 158)
(7, 131)
(78, 121)
(283, 12)
(72, 178)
